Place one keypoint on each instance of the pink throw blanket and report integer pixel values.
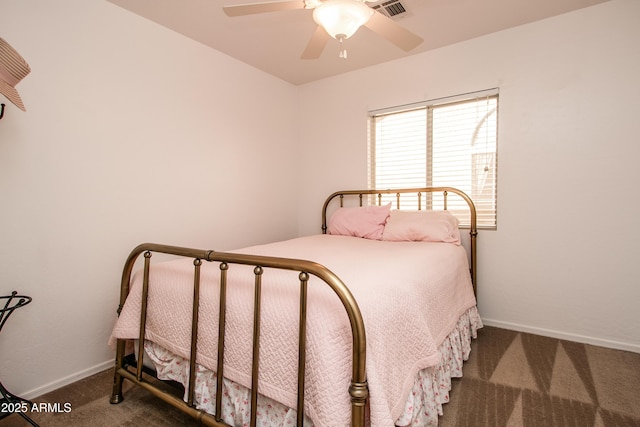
(411, 295)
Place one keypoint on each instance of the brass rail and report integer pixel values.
(358, 388)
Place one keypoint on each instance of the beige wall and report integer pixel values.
(563, 259)
(132, 134)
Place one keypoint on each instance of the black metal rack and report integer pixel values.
(10, 403)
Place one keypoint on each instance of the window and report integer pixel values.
(449, 142)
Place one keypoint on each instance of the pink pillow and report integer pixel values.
(422, 226)
(367, 222)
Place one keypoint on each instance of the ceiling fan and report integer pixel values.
(339, 19)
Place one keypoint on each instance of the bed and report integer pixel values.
(362, 325)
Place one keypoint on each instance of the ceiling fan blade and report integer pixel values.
(394, 32)
(317, 43)
(253, 8)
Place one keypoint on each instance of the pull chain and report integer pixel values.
(343, 51)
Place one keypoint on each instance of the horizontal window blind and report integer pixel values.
(451, 142)
(400, 146)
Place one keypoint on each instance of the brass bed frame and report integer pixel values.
(358, 390)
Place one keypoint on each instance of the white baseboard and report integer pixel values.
(563, 335)
(32, 394)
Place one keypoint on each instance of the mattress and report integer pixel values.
(412, 296)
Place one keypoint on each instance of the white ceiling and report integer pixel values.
(273, 42)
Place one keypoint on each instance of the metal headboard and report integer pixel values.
(422, 203)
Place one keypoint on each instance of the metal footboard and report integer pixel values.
(358, 389)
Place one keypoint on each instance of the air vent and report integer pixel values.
(390, 8)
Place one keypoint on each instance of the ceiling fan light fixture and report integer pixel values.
(342, 18)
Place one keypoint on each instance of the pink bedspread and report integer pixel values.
(411, 295)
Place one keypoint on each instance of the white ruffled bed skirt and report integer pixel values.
(424, 403)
